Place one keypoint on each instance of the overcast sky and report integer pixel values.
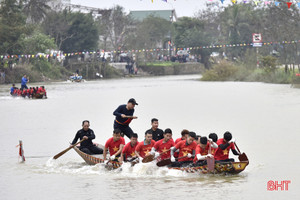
(182, 7)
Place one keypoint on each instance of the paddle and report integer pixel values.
(67, 149)
(167, 161)
(243, 156)
(151, 157)
(210, 161)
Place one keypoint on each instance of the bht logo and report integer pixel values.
(274, 185)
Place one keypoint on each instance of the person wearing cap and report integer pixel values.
(202, 151)
(124, 115)
(224, 145)
(186, 151)
(157, 134)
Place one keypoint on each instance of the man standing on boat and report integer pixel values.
(224, 145)
(24, 82)
(157, 134)
(124, 115)
(87, 145)
(115, 145)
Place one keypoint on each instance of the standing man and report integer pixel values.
(24, 82)
(157, 134)
(124, 115)
(87, 145)
(115, 145)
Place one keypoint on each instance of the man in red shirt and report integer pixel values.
(115, 145)
(144, 147)
(214, 138)
(163, 146)
(184, 135)
(186, 151)
(202, 151)
(224, 145)
(128, 151)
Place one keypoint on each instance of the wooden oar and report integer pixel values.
(151, 157)
(243, 156)
(210, 161)
(167, 161)
(67, 149)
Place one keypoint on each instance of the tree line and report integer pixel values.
(32, 26)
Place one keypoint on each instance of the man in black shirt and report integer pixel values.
(124, 115)
(157, 134)
(87, 145)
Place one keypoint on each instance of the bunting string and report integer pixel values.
(159, 50)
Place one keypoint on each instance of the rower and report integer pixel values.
(214, 138)
(224, 145)
(163, 146)
(184, 135)
(202, 151)
(87, 145)
(124, 115)
(115, 145)
(186, 151)
(157, 134)
(144, 147)
(128, 152)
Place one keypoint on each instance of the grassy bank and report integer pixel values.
(40, 70)
(227, 71)
(171, 68)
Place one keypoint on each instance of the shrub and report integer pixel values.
(223, 71)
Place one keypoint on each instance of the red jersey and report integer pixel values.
(143, 149)
(163, 148)
(223, 154)
(113, 146)
(128, 150)
(202, 152)
(213, 151)
(185, 149)
(178, 140)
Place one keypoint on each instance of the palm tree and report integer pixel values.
(36, 10)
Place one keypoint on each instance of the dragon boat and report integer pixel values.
(220, 168)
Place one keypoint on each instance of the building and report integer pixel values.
(140, 15)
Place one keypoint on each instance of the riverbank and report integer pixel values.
(45, 71)
(228, 71)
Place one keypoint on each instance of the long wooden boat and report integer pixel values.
(220, 168)
(92, 160)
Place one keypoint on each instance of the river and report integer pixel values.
(264, 119)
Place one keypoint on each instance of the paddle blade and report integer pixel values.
(210, 164)
(61, 153)
(164, 162)
(243, 157)
(67, 149)
(148, 158)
